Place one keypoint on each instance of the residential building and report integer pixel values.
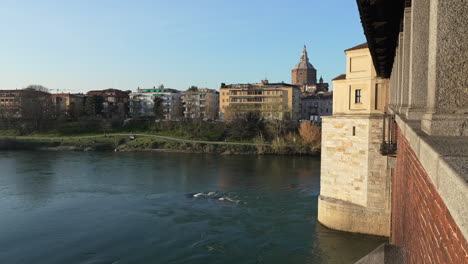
(143, 102)
(200, 103)
(10, 103)
(25, 103)
(115, 102)
(313, 107)
(69, 104)
(354, 184)
(272, 100)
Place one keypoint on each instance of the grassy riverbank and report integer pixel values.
(249, 135)
(146, 143)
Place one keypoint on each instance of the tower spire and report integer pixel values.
(304, 56)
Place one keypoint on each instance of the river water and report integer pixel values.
(90, 207)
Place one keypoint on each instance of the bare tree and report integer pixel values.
(38, 88)
(309, 132)
(36, 106)
(6, 116)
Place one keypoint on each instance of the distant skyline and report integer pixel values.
(81, 45)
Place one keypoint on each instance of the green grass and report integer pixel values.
(9, 133)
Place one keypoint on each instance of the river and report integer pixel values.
(92, 207)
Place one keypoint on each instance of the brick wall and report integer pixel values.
(421, 222)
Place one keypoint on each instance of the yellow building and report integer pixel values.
(354, 181)
(272, 100)
(359, 91)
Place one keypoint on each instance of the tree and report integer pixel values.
(193, 88)
(93, 105)
(158, 109)
(38, 88)
(309, 132)
(7, 114)
(75, 110)
(36, 106)
(247, 126)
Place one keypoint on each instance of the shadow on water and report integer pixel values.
(341, 247)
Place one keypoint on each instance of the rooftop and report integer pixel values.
(340, 77)
(263, 84)
(157, 90)
(110, 90)
(319, 95)
(360, 46)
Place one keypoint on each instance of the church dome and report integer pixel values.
(304, 62)
(304, 65)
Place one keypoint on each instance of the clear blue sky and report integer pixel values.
(80, 45)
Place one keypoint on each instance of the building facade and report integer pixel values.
(272, 100)
(10, 104)
(25, 103)
(313, 107)
(69, 104)
(142, 103)
(200, 104)
(354, 185)
(115, 102)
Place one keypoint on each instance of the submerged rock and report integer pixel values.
(212, 195)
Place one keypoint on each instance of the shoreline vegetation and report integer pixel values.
(246, 134)
(146, 143)
(148, 140)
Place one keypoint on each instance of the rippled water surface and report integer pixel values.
(75, 207)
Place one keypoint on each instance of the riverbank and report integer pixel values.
(146, 143)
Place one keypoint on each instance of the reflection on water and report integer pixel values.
(72, 207)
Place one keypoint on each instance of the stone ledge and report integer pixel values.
(354, 116)
(445, 159)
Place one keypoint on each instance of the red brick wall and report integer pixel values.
(421, 222)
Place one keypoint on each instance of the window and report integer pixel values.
(357, 96)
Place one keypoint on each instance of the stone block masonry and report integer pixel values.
(354, 187)
(421, 222)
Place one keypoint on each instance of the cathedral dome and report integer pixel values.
(304, 62)
(304, 65)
